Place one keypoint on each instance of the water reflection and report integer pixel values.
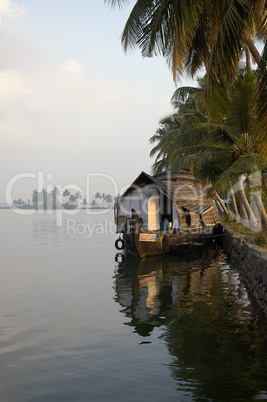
(215, 334)
(147, 289)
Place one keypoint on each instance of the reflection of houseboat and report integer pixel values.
(157, 214)
(149, 288)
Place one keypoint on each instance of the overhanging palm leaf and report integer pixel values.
(245, 164)
(113, 3)
(221, 151)
(260, 110)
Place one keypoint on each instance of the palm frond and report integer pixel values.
(182, 94)
(225, 52)
(115, 3)
(242, 99)
(261, 102)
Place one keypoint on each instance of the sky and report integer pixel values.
(75, 110)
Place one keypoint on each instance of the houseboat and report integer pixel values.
(158, 214)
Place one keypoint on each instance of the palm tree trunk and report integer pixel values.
(261, 209)
(243, 214)
(253, 50)
(252, 220)
(221, 203)
(234, 206)
(248, 58)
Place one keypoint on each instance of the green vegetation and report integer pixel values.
(71, 200)
(223, 151)
(53, 200)
(259, 239)
(218, 129)
(106, 198)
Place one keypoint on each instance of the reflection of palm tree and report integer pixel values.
(215, 339)
(146, 289)
(214, 344)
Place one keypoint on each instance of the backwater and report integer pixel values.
(80, 323)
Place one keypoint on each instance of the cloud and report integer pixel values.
(73, 68)
(66, 108)
(11, 10)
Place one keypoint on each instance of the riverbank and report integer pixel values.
(250, 260)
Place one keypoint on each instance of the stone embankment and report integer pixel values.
(250, 261)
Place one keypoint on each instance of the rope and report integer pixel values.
(203, 235)
(222, 234)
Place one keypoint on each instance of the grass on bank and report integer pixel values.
(257, 238)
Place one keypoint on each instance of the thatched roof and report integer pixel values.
(178, 187)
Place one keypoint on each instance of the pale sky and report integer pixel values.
(71, 102)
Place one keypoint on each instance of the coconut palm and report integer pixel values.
(78, 195)
(204, 33)
(66, 194)
(98, 196)
(72, 199)
(223, 150)
(103, 198)
(94, 204)
(43, 196)
(54, 194)
(35, 199)
(165, 138)
(190, 34)
(109, 199)
(261, 101)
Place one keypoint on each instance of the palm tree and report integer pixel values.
(43, 196)
(190, 34)
(103, 198)
(66, 195)
(225, 149)
(98, 196)
(94, 204)
(72, 199)
(165, 138)
(54, 194)
(109, 199)
(261, 101)
(193, 34)
(35, 199)
(78, 195)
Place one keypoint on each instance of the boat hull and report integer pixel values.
(152, 244)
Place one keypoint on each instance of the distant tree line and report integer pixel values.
(52, 200)
(104, 197)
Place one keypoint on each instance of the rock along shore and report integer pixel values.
(250, 261)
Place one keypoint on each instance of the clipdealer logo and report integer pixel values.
(87, 229)
(40, 178)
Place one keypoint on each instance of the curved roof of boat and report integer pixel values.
(180, 186)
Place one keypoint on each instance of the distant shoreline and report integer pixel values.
(54, 209)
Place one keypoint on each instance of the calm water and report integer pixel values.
(76, 325)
